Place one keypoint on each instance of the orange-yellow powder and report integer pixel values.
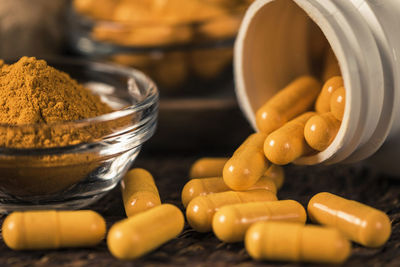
(32, 92)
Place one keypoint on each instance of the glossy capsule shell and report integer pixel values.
(338, 101)
(320, 130)
(33, 230)
(201, 209)
(282, 241)
(361, 223)
(288, 143)
(293, 100)
(323, 102)
(137, 235)
(139, 192)
(206, 186)
(207, 167)
(230, 223)
(247, 164)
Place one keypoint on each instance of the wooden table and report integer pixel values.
(170, 165)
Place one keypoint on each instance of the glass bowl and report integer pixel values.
(186, 57)
(99, 150)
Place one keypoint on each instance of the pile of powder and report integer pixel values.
(32, 92)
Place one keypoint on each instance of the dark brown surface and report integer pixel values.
(191, 248)
(170, 167)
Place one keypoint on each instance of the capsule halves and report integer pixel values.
(206, 186)
(320, 130)
(135, 236)
(33, 230)
(201, 210)
(282, 241)
(139, 192)
(247, 164)
(230, 223)
(361, 223)
(293, 100)
(207, 167)
(287, 143)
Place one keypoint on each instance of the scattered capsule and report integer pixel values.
(282, 241)
(206, 186)
(320, 130)
(247, 164)
(276, 174)
(331, 66)
(230, 223)
(287, 143)
(139, 192)
(338, 101)
(323, 103)
(213, 167)
(360, 223)
(288, 103)
(142, 233)
(207, 167)
(33, 230)
(201, 209)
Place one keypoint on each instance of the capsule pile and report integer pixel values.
(236, 197)
(273, 229)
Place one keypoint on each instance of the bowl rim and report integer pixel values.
(150, 98)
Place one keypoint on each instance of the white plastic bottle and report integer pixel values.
(272, 49)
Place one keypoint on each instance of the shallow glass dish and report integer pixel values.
(183, 58)
(77, 174)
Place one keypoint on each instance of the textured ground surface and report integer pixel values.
(191, 248)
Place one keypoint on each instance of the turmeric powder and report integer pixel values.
(32, 92)
(34, 99)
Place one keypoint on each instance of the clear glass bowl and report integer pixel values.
(183, 58)
(84, 170)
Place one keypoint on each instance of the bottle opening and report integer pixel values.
(281, 40)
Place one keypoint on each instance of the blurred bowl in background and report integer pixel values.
(185, 46)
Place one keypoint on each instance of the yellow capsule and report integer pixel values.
(331, 66)
(206, 186)
(288, 143)
(213, 167)
(139, 192)
(142, 233)
(207, 167)
(323, 103)
(282, 241)
(320, 130)
(201, 209)
(230, 223)
(293, 100)
(338, 101)
(247, 164)
(33, 230)
(276, 174)
(360, 223)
